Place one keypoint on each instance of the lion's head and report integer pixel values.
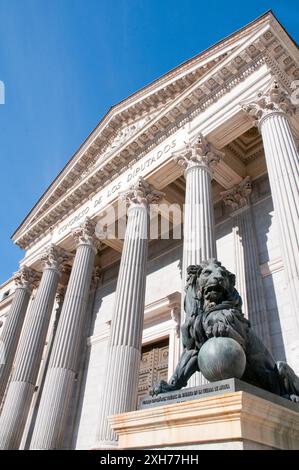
(214, 285)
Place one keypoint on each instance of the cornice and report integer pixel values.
(262, 47)
(102, 136)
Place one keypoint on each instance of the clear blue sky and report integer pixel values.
(65, 62)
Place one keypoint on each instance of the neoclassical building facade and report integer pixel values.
(208, 156)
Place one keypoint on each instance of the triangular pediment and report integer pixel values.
(131, 124)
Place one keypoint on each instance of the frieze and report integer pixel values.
(108, 194)
(200, 96)
(121, 137)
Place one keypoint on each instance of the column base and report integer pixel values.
(238, 420)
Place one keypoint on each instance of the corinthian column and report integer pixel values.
(199, 159)
(25, 279)
(270, 111)
(63, 364)
(29, 352)
(249, 281)
(124, 349)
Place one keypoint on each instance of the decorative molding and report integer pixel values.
(60, 210)
(97, 275)
(103, 334)
(60, 294)
(26, 278)
(220, 419)
(271, 267)
(162, 308)
(117, 141)
(6, 301)
(274, 99)
(85, 233)
(198, 152)
(164, 311)
(176, 317)
(238, 197)
(55, 257)
(141, 192)
(183, 103)
(157, 332)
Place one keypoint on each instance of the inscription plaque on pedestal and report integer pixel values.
(212, 389)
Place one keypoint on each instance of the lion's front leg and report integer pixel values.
(219, 328)
(224, 323)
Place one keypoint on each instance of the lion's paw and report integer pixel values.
(161, 387)
(220, 329)
(294, 398)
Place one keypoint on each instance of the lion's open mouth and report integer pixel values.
(213, 288)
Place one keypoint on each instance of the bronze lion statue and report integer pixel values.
(214, 309)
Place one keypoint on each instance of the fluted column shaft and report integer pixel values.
(270, 111)
(254, 299)
(28, 430)
(124, 349)
(13, 325)
(199, 159)
(29, 355)
(199, 230)
(283, 164)
(249, 281)
(63, 364)
(199, 244)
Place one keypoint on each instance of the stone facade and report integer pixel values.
(199, 152)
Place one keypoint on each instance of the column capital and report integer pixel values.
(175, 314)
(97, 275)
(60, 294)
(274, 100)
(238, 196)
(199, 152)
(85, 234)
(54, 257)
(141, 193)
(26, 277)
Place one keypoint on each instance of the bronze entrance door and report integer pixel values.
(153, 366)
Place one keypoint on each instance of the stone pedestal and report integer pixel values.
(231, 421)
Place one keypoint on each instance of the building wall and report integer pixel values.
(164, 278)
(6, 295)
(278, 306)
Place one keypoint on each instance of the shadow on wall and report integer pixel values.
(268, 248)
(72, 427)
(171, 251)
(107, 284)
(169, 248)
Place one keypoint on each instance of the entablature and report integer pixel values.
(140, 126)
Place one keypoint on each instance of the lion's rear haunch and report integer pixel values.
(213, 310)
